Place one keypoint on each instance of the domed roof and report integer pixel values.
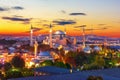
(87, 49)
(59, 32)
(96, 48)
(11, 48)
(44, 53)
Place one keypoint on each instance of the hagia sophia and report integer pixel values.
(60, 40)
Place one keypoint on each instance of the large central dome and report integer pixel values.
(59, 32)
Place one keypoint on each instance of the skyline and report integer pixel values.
(16, 16)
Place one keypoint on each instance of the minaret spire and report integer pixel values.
(50, 36)
(35, 48)
(83, 27)
(65, 29)
(31, 36)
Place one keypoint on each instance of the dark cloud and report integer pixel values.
(63, 11)
(101, 24)
(35, 29)
(16, 19)
(3, 9)
(17, 16)
(24, 20)
(64, 22)
(80, 26)
(48, 25)
(17, 8)
(76, 14)
(10, 8)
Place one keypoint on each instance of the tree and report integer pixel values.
(13, 74)
(47, 63)
(1, 65)
(18, 62)
(81, 59)
(1, 76)
(68, 66)
(94, 78)
(70, 58)
(7, 66)
(91, 78)
(98, 63)
(27, 72)
(60, 64)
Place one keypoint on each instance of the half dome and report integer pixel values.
(59, 32)
(96, 48)
(87, 49)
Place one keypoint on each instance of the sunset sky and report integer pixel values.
(16, 16)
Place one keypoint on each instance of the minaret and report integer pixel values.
(83, 28)
(74, 41)
(50, 37)
(35, 48)
(65, 30)
(31, 36)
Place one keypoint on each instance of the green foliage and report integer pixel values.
(71, 54)
(118, 54)
(81, 59)
(60, 64)
(18, 62)
(68, 66)
(57, 64)
(17, 72)
(99, 61)
(13, 74)
(27, 72)
(47, 63)
(109, 63)
(85, 67)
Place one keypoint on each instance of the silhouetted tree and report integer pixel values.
(94, 78)
(68, 66)
(18, 62)
(91, 78)
(81, 59)
(1, 76)
(1, 65)
(7, 66)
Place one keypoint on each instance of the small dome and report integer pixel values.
(11, 48)
(96, 48)
(44, 53)
(59, 32)
(87, 49)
